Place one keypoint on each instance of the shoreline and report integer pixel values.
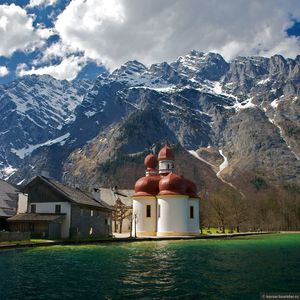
(131, 240)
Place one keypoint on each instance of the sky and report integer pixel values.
(82, 38)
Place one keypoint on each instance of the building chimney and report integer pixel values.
(45, 173)
(96, 193)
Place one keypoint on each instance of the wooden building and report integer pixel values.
(57, 211)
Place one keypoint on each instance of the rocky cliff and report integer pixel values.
(231, 123)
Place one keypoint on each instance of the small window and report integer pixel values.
(57, 208)
(158, 213)
(106, 222)
(92, 213)
(33, 208)
(148, 211)
(91, 231)
(191, 212)
(81, 211)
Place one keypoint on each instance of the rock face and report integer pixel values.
(33, 111)
(245, 112)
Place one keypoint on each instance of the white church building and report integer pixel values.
(164, 204)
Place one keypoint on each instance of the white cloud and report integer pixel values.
(113, 32)
(3, 71)
(93, 18)
(56, 50)
(34, 3)
(67, 69)
(17, 31)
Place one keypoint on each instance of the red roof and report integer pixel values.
(147, 186)
(150, 161)
(172, 184)
(166, 153)
(191, 188)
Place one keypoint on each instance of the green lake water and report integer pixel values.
(239, 268)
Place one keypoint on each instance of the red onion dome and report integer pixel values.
(147, 186)
(172, 184)
(150, 161)
(166, 153)
(191, 188)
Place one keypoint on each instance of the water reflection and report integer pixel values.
(151, 270)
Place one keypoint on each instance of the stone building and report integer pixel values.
(8, 202)
(55, 211)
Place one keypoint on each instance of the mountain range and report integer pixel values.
(232, 124)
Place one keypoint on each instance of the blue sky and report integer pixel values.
(81, 38)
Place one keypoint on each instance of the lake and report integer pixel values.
(239, 268)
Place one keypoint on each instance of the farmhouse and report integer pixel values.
(53, 210)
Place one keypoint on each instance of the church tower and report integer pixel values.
(166, 160)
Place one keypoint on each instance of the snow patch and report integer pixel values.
(264, 81)
(195, 154)
(30, 148)
(90, 113)
(217, 88)
(9, 170)
(223, 165)
(282, 136)
(274, 103)
(242, 105)
(20, 182)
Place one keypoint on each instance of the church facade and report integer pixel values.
(164, 203)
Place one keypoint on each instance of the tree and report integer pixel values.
(237, 208)
(219, 204)
(120, 213)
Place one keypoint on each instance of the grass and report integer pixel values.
(23, 242)
(106, 238)
(216, 231)
(45, 240)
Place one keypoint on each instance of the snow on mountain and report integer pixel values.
(29, 148)
(33, 110)
(196, 101)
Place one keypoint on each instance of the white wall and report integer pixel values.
(165, 165)
(194, 223)
(22, 203)
(49, 208)
(144, 225)
(173, 218)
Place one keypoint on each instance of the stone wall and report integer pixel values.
(14, 236)
(90, 222)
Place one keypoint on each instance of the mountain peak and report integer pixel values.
(132, 66)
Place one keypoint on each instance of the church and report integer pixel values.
(164, 203)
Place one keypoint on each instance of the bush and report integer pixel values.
(259, 183)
